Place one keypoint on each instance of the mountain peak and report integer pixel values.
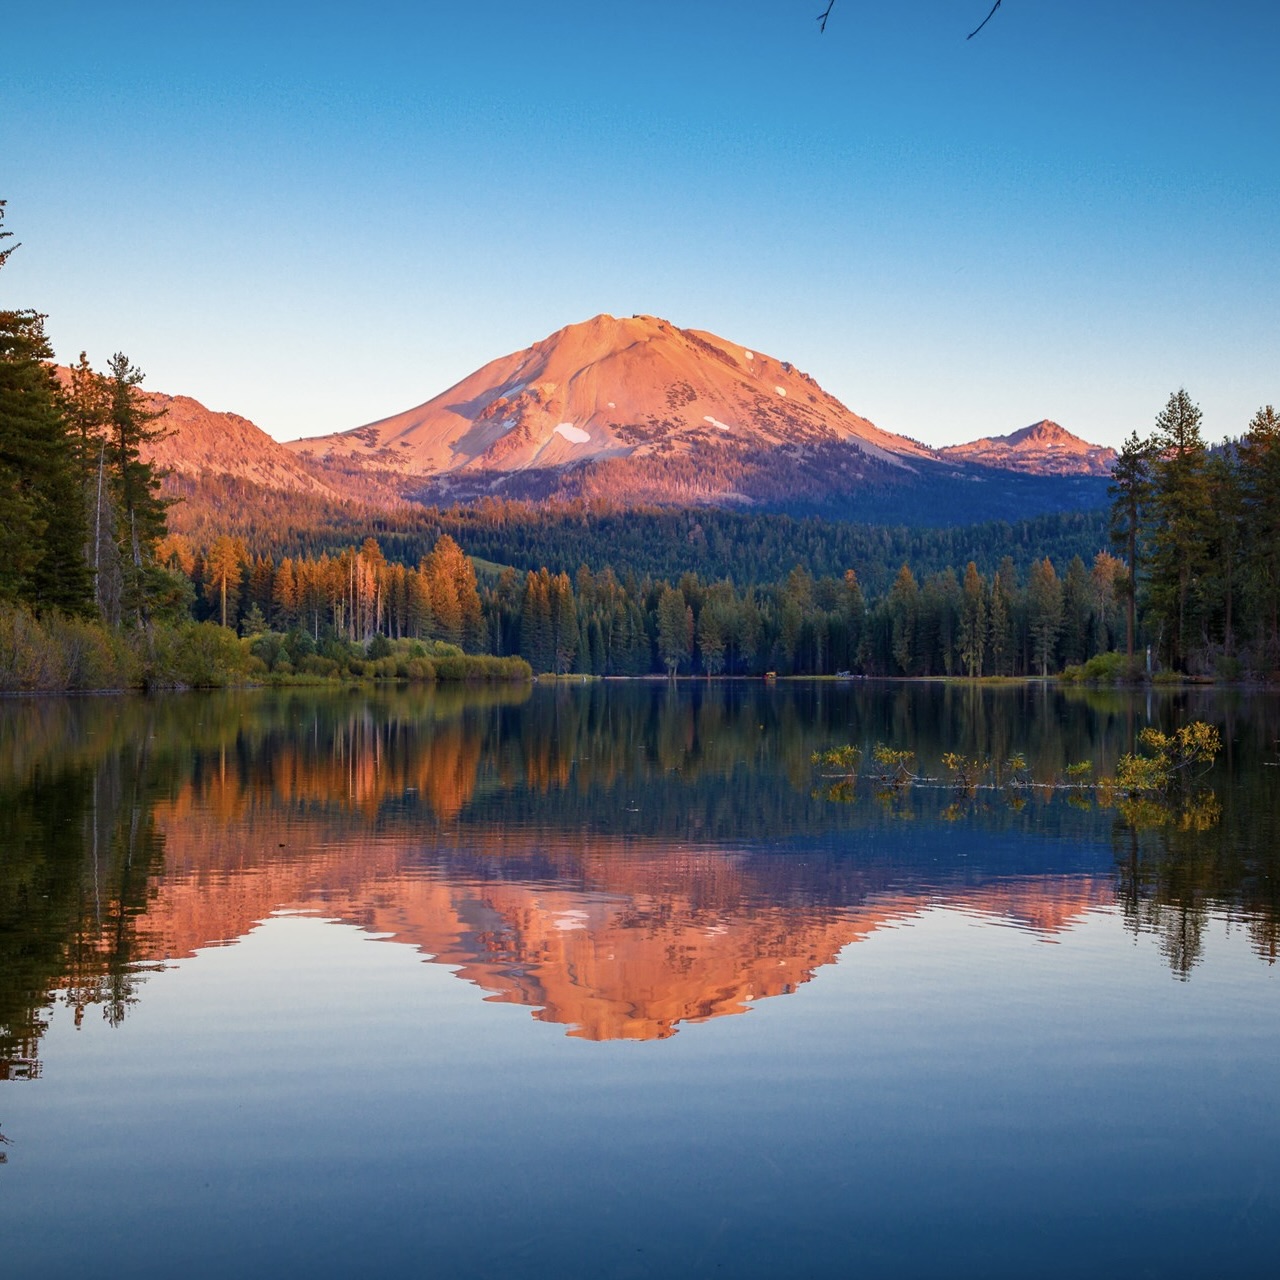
(608, 389)
(1043, 448)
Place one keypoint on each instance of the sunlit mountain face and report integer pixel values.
(622, 860)
(1043, 448)
(637, 410)
(629, 411)
(608, 388)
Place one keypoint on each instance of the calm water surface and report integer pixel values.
(607, 980)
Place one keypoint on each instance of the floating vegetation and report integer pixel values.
(842, 761)
(895, 768)
(967, 771)
(1154, 787)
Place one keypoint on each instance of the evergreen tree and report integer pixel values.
(904, 604)
(1224, 534)
(1001, 626)
(973, 621)
(1259, 455)
(711, 643)
(1130, 491)
(136, 484)
(854, 611)
(1044, 610)
(564, 624)
(537, 645)
(222, 576)
(42, 534)
(88, 400)
(675, 629)
(1076, 613)
(1180, 517)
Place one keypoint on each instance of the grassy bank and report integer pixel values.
(56, 653)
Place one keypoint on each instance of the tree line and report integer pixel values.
(605, 623)
(1199, 529)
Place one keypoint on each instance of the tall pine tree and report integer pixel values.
(42, 534)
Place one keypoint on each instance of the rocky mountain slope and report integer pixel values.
(635, 410)
(610, 388)
(200, 441)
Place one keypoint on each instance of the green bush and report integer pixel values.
(1105, 668)
(315, 664)
(57, 652)
(197, 655)
(479, 666)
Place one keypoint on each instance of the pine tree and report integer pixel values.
(675, 629)
(141, 510)
(1000, 626)
(222, 576)
(536, 637)
(1076, 611)
(564, 624)
(1130, 491)
(973, 621)
(1259, 454)
(711, 638)
(904, 606)
(1044, 608)
(1180, 517)
(42, 534)
(1224, 534)
(854, 611)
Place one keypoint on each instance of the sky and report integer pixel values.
(320, 215)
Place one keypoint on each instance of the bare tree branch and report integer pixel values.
(831, 4)
(984, 22)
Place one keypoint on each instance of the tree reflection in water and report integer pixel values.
(620, 858)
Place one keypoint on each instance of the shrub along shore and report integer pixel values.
(60, 653)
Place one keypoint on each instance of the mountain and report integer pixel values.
(608, 388)
(1043, 448)
(201, 441)
(635, 411)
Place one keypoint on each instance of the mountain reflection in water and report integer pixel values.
(620, 859)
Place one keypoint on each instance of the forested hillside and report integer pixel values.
(662, 542)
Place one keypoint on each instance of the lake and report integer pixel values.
(611, 979)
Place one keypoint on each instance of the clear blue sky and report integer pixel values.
(317, 215)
